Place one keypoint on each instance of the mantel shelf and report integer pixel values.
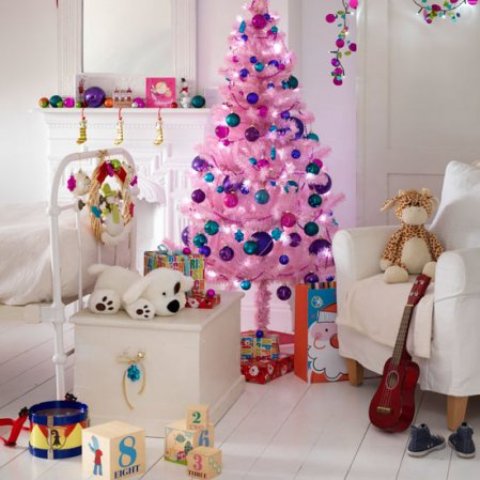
(125, 111)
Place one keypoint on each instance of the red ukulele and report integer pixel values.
(393, 406)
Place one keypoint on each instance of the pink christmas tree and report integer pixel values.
(261, 210)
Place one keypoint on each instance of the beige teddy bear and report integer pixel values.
(412, 249)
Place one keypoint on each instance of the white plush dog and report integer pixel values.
(160, 292)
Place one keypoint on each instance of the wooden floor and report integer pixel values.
(282, 431)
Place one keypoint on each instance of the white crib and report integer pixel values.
(61, 306)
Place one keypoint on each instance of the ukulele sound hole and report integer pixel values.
(392, 380)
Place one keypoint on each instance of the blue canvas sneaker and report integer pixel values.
(423, 442)
(461, 441)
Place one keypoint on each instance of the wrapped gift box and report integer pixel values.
(190, 265)
(197, 300)
(265, 370)
(265, 347)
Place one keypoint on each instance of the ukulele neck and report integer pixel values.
(400, 344)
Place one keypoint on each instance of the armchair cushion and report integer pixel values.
(456, 223)
(375, 308)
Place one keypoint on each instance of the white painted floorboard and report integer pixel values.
(286, 430)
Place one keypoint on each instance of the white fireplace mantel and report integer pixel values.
(167, 164)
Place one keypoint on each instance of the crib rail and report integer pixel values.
(56, 312)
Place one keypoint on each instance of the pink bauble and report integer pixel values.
(288, 220)
(472, 2)
(263, 163)
(138, 102)
(330, 18)
(69, 102)
(222, 131)
(259, 21)
(263, 111)
(353, 3)
(318, 162)
(230, 200)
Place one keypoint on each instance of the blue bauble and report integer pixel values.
(233, 120)
(200, 240)
(209, 177)
(252, 98)
(315, 200)
(284, 260)
(250, 247)
(262, 197)
(259, 67)
(296, 154)
(246, 285)
(253, 59)
(212, 227)
(244, 73)
(206, 251)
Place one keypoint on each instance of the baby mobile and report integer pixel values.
(448, 9)
(343, 46)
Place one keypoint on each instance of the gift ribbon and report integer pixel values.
(17, 427)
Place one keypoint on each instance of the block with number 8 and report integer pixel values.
(113, 450)
(197, 417)
(204, 463)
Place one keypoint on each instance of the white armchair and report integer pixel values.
(444, 338)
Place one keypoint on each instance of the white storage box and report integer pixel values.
(192, 357)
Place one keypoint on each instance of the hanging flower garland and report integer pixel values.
(448, 9)
(344, 47)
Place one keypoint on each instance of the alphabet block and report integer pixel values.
(114, 450)
(197, 417)
(179, 440)
(204, 463)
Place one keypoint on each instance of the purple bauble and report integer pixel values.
(264, 242)
(284, 260)
(227, 254)
(323, 189)
(222, 131)
(205, 251)
(295, 239)
(284, 292)
(311, 278)
(252, 134)
(185, 235)
(198, 196)
(94, 97)
(199, 164)
(259, 21)
(318, 246)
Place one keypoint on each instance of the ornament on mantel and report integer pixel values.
(158, 129)
(119, 138)
(82, 137)
(344, 47)
(447, 9)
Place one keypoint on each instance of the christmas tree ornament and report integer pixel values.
(43, 102)
(82, 137)
(56, 101)
(267, 169)
(198, 101)
(94, 97)
(200, 240)
(227, 254)
(198, 196)
(158, 129)
(134, 372)
(284, 293)
(311, 278)
(205, 250)
(252, 134)
(431, 11)
(119, 137)
(68, 102)
(320, 246)
(233, 120)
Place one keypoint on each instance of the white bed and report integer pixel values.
(45, 250)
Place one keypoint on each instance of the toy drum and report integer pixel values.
(57, 429)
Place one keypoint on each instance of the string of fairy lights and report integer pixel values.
(345, 47)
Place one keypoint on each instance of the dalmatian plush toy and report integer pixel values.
(161, 292)
(412, 249)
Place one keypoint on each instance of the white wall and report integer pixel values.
(28, 63)
(29, 70)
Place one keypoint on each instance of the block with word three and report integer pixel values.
(180, 440)
(204, 462)
(114, 450)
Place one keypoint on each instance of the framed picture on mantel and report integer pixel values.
(160, 92)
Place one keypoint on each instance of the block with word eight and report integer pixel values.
(204, 463)
(114, 450)
(180, 440)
